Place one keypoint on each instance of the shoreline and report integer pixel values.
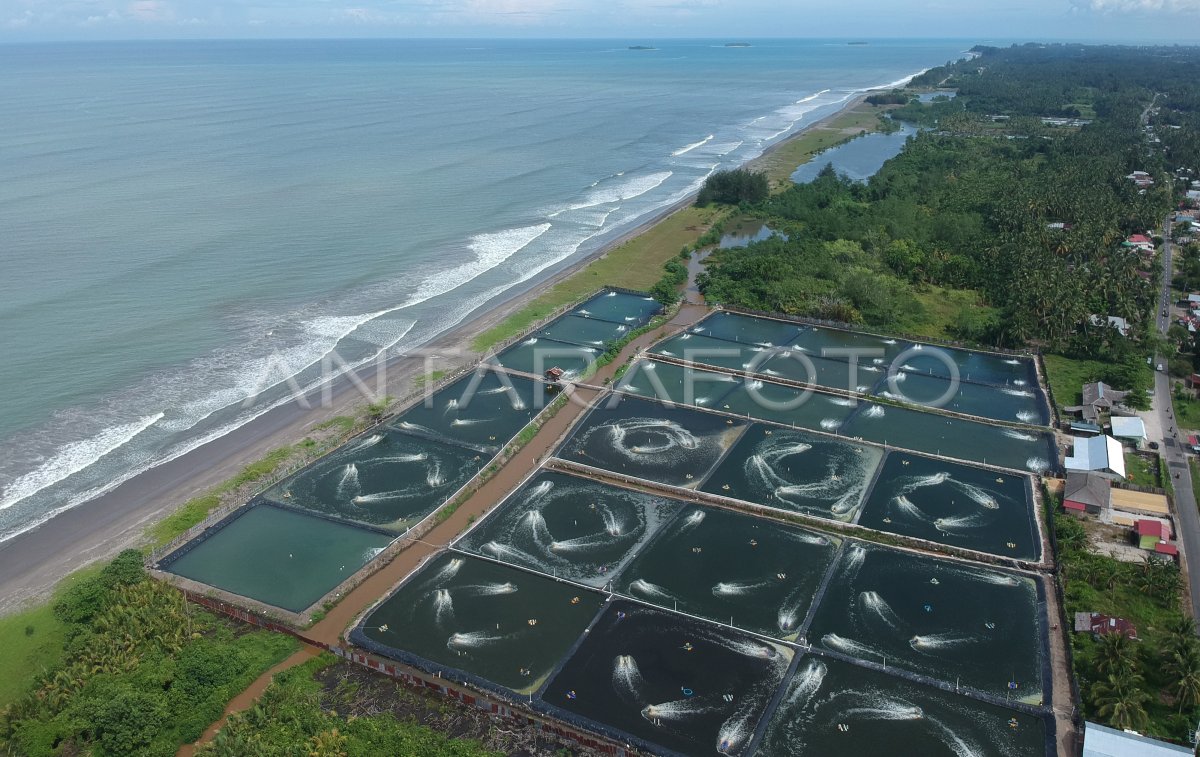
(35, 561)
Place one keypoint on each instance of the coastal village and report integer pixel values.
(644, 516)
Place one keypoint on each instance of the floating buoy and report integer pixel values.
(532, 621)
(725, 487)
(754, 542)
(999, 480)
(384, 627)
(687, 646)
(686, 691)
(574, 600)
(934, 581)
(887, 520)
(928, 608)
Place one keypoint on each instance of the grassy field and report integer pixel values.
(24, 654)
(1187, 409)
(782, 162)
(943, 309)
(1139, 471)
(1067, 376)
(636, 264)
(30, 642)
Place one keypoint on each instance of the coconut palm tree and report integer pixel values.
(1184, 668)
(1121, 701)
(1114, 654)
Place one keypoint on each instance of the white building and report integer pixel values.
(1099, 454)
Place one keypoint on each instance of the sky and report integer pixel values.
(982, 20)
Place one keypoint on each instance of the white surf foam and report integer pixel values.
(74, 457)
(692, 146)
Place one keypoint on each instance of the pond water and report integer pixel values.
(860, 158)
(954, 504)
(277, 556)
(570, 527)
(796, 471)
(952, 621)
(734, 568)
(833, 707)
(501, 624)
(669, 681)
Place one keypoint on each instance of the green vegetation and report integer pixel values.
(142, 671)
(895, 97)
(1187, 407)
(961, 210)
(1152, 685)
(1140, 471)
(732, 187)
(298, 716)
(666, 290)
(1067, 376)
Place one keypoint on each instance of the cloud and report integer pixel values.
(150, 10)
(1138, 6)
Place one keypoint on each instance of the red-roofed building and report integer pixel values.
(1098, 623)
(1164, 548)
(1151, 532)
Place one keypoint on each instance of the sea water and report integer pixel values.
(191, 228)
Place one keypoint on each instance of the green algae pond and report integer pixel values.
(276, 556)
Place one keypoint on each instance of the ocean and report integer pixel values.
(189, 230)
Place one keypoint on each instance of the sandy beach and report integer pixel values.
(33, 562)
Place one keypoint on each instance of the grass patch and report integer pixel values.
(1187, 408)
(945, 310)
(1066, 377)
(1139, 470)
(342, 423)
(31, 642)
(636, 264)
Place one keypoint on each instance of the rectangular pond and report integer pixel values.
(676, 445)
(672, 684)
(634, 310)
(386, 478)
(484, 410)
(591, 332)
(669, 382)
(962, 439)
(796, 471)
(538, 354)
(954, 504)
(1015, 404)
(953, 621)
(497, 625)
(276, 556)
(570, 527)
(732, 568)
(832, 707)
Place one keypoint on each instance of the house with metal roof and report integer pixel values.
(1087, 492)
(1102, 741)
(1102, 455)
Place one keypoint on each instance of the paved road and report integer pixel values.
(1187, 517)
